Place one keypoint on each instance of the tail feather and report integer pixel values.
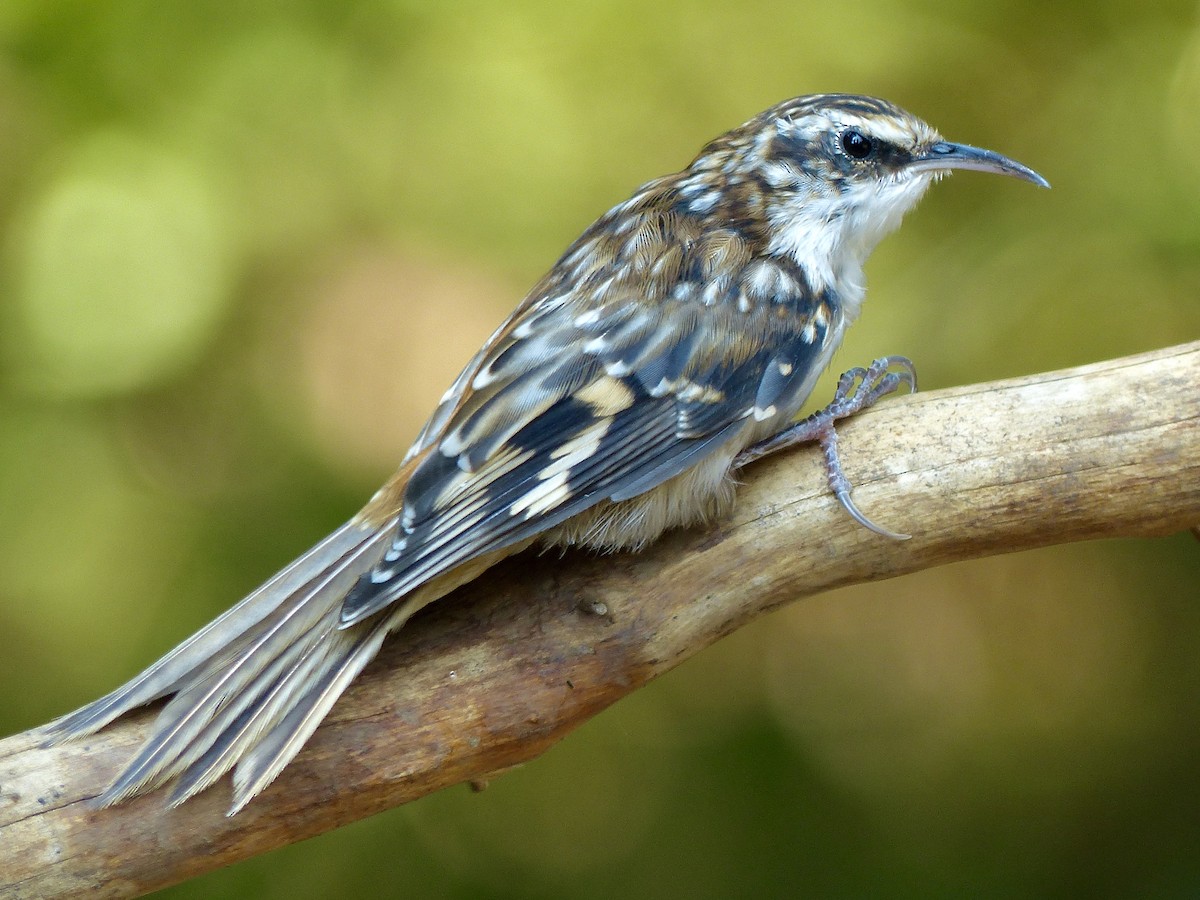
(351, 650)
(237, 678)
(242, 723)
(291, 698)
(198, 716)
(343, 654)
(253, 686)
(173, 670)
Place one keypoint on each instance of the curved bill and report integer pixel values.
(944, 156)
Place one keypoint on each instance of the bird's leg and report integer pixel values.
(856, 390)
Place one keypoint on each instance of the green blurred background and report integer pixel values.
(247, 245)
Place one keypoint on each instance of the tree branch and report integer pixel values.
(511, 664)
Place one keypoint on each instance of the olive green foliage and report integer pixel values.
(247, 245)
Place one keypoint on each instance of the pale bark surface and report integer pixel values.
(509, 665)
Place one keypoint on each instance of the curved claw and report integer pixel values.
(908, 373)
(860, 517)
(839, 484)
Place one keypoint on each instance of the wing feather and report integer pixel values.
(598, 402)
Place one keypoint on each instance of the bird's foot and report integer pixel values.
(857, 389)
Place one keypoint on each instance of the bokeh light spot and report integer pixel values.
(124, 273)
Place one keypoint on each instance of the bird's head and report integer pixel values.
(832, 174)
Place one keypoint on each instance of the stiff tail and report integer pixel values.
(251, 687)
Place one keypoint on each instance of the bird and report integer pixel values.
(674, 341)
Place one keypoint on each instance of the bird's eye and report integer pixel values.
(856, 144)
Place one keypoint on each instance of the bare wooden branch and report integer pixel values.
(497, 674)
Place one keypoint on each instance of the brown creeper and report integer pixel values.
(674, 340)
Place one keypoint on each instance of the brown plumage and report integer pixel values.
(686, 325)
